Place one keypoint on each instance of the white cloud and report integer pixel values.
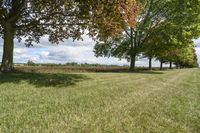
(44, 54)
(197, 42)
(198, 53)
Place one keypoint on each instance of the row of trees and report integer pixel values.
(164, 30)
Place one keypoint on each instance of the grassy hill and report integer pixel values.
(155, 101)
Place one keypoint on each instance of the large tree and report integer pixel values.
(60, 19)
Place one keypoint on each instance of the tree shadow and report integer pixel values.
(43, 79)
(127, 70)
(132, 72)
(149, 72)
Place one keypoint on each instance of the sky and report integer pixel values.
(69, 51)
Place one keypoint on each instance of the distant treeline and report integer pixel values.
(31, 63)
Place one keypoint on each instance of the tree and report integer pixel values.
(186, 58)
(60, 19)
(30, 63)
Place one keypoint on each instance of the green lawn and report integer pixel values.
(167, 101)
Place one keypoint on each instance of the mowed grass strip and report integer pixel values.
(165, 101)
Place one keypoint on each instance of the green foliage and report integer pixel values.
(163, 27)
(59, 20)
(186, 58)
(30, 63)
(62, 19)
(172, 45)
(119, 47)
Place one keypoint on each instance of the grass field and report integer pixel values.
(156, 101)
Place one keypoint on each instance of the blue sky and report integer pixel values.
(69, 51)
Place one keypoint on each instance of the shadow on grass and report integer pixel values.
(138, 70)
(148, 72)
(132, 72)
(43, 79)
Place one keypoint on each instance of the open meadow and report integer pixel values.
(146, 101)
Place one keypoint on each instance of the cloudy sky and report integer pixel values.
(69, 51)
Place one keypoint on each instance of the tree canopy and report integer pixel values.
(61, 19)
(161, 26)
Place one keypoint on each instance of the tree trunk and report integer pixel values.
(161, 64)
(176, 65)
(7, 60)
(170, 65)
(132, 64)
(132, 53)
(150, 63)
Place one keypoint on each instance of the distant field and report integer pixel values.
(54, 100)
(64, 69)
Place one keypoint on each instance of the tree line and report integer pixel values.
(164, 30)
